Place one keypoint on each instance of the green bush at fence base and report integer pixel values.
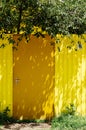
(69, 120)
(5, 118)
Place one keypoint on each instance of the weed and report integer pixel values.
(5, 118)
(69, 110)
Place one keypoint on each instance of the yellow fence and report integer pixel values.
(46, 78)
(70, 73)
(6, 75)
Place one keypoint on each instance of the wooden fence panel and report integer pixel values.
(6, 75)
(70, 73)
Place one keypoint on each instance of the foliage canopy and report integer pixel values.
(63, 17)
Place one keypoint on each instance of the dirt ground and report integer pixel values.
(28, 126)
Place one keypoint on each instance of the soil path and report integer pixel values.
(27, 126)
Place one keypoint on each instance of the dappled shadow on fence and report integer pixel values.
(6, 74)
(70, 77)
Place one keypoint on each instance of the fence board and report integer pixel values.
(6, 74)
(70, 74)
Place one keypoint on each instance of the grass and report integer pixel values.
(69, 120)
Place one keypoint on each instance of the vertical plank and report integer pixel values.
(70, 73)
(6, 76)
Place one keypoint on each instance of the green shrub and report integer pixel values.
(5, 118)
(69, 110)
(68, 120)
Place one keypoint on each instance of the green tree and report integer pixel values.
(64, 17)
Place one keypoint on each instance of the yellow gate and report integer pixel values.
(33, 90)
